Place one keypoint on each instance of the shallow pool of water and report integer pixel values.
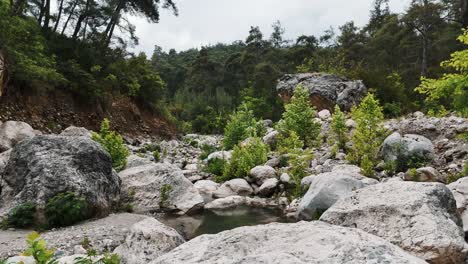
(208, 222)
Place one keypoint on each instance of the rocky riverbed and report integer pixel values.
(406, 217)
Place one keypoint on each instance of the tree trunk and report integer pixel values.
(464, 13)
(46, 15)
(425, 45)
(69, 17)
(41, 14)
(81, 18)
(59, 16)
(114, 20)
(3, 73)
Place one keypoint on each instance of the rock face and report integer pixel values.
(409, 148)
(44, 166)
(326, 90)
(135, 161)
(460, 192)
(421, 218)
(147, 240)
(4, 157)
(327, 188)
(303, 242)
(144, 185)
(234, 187)
(12, 132)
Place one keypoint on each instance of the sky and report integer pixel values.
(205, 22)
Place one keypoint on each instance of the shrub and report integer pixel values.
(215, 166)
(299, 162)
(368, 135)
(339, 129)
(112, 143)
(241, 125)
(156, 156)
(392, 110)
(66, 209)
(206, 151)
(289, 142)
(244, 158)
(164, 194)
(21, 216)
(37, 248)
(299, 117)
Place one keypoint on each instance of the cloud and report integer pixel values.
(204, 22)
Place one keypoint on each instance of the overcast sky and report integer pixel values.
(204, 22)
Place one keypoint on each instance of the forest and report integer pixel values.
(82, 46)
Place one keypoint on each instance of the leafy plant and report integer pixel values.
(241, 125)
(112, 143)
(368, 135)
(413, 174)
(37, 248)
(164, 194)
(66, 209)
(20, 216)
(289, 142)
(299, 117)
(206, 151)
(339, 129)
(216, 166)
(156, 156)
(244, 158)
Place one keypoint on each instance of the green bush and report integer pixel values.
(21, 216)
(164, 194)
(338, 129)
(244, 158)
(289, 142)
(37, 248)
(112, 143)
(392, 110)
(206, 151)
(215, 166)
(156, 156)
(368, 135)
(66, 209)
(241, 125)
(299, 117)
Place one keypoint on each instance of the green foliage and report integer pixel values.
(299, 162)
(66, 209)
(299, 117)
(206, 151)
(37, 248)
(156, 156)
(338, 129)
(368, 135)
(93, 258)
(20, 216)
(164, 194)
(241, 125)
(288, 143)
(451, 88)
(113, 144)
(413, 174)
(216, 167)
(244, 158)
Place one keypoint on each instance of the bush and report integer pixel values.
(289, 142)
(66, 209)
(164, 194)
(112, 143)
(299, 117)
(392, 110)
(368, 135)
(37, 248)
(339, 129)
(156, 156)
(206, 151)
(216, 166)
(241, 125)
(21, 216)
(244, 158)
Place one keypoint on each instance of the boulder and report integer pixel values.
(327, 188)
(147, 240)
(460, 192)
(324, 114)
(271, 138)
(268, 187)
(73, 131)
(273, 162)
(223, 155)
(421, 218)
(261, 173)
(232, 202)
(20, 260)
(44, 166)
(234, 187)
(135, 161)
(425, 174)
(407, 150)
(4, 157)
(326, 90)
(160, 186)
(206, 188)
(12, 132)
(303, 242)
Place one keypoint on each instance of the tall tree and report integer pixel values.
(277, 35)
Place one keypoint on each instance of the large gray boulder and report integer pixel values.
(147, 185)
(44, 166)
(135, 161)
(206, 188)
(12, 132)
(407, 150)
(327, 188)
(460, 192)
(73, 131)
(234, 187)
(147, 240)
(262, 173)
(326, 90)
(421, 218)
(303, 242)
